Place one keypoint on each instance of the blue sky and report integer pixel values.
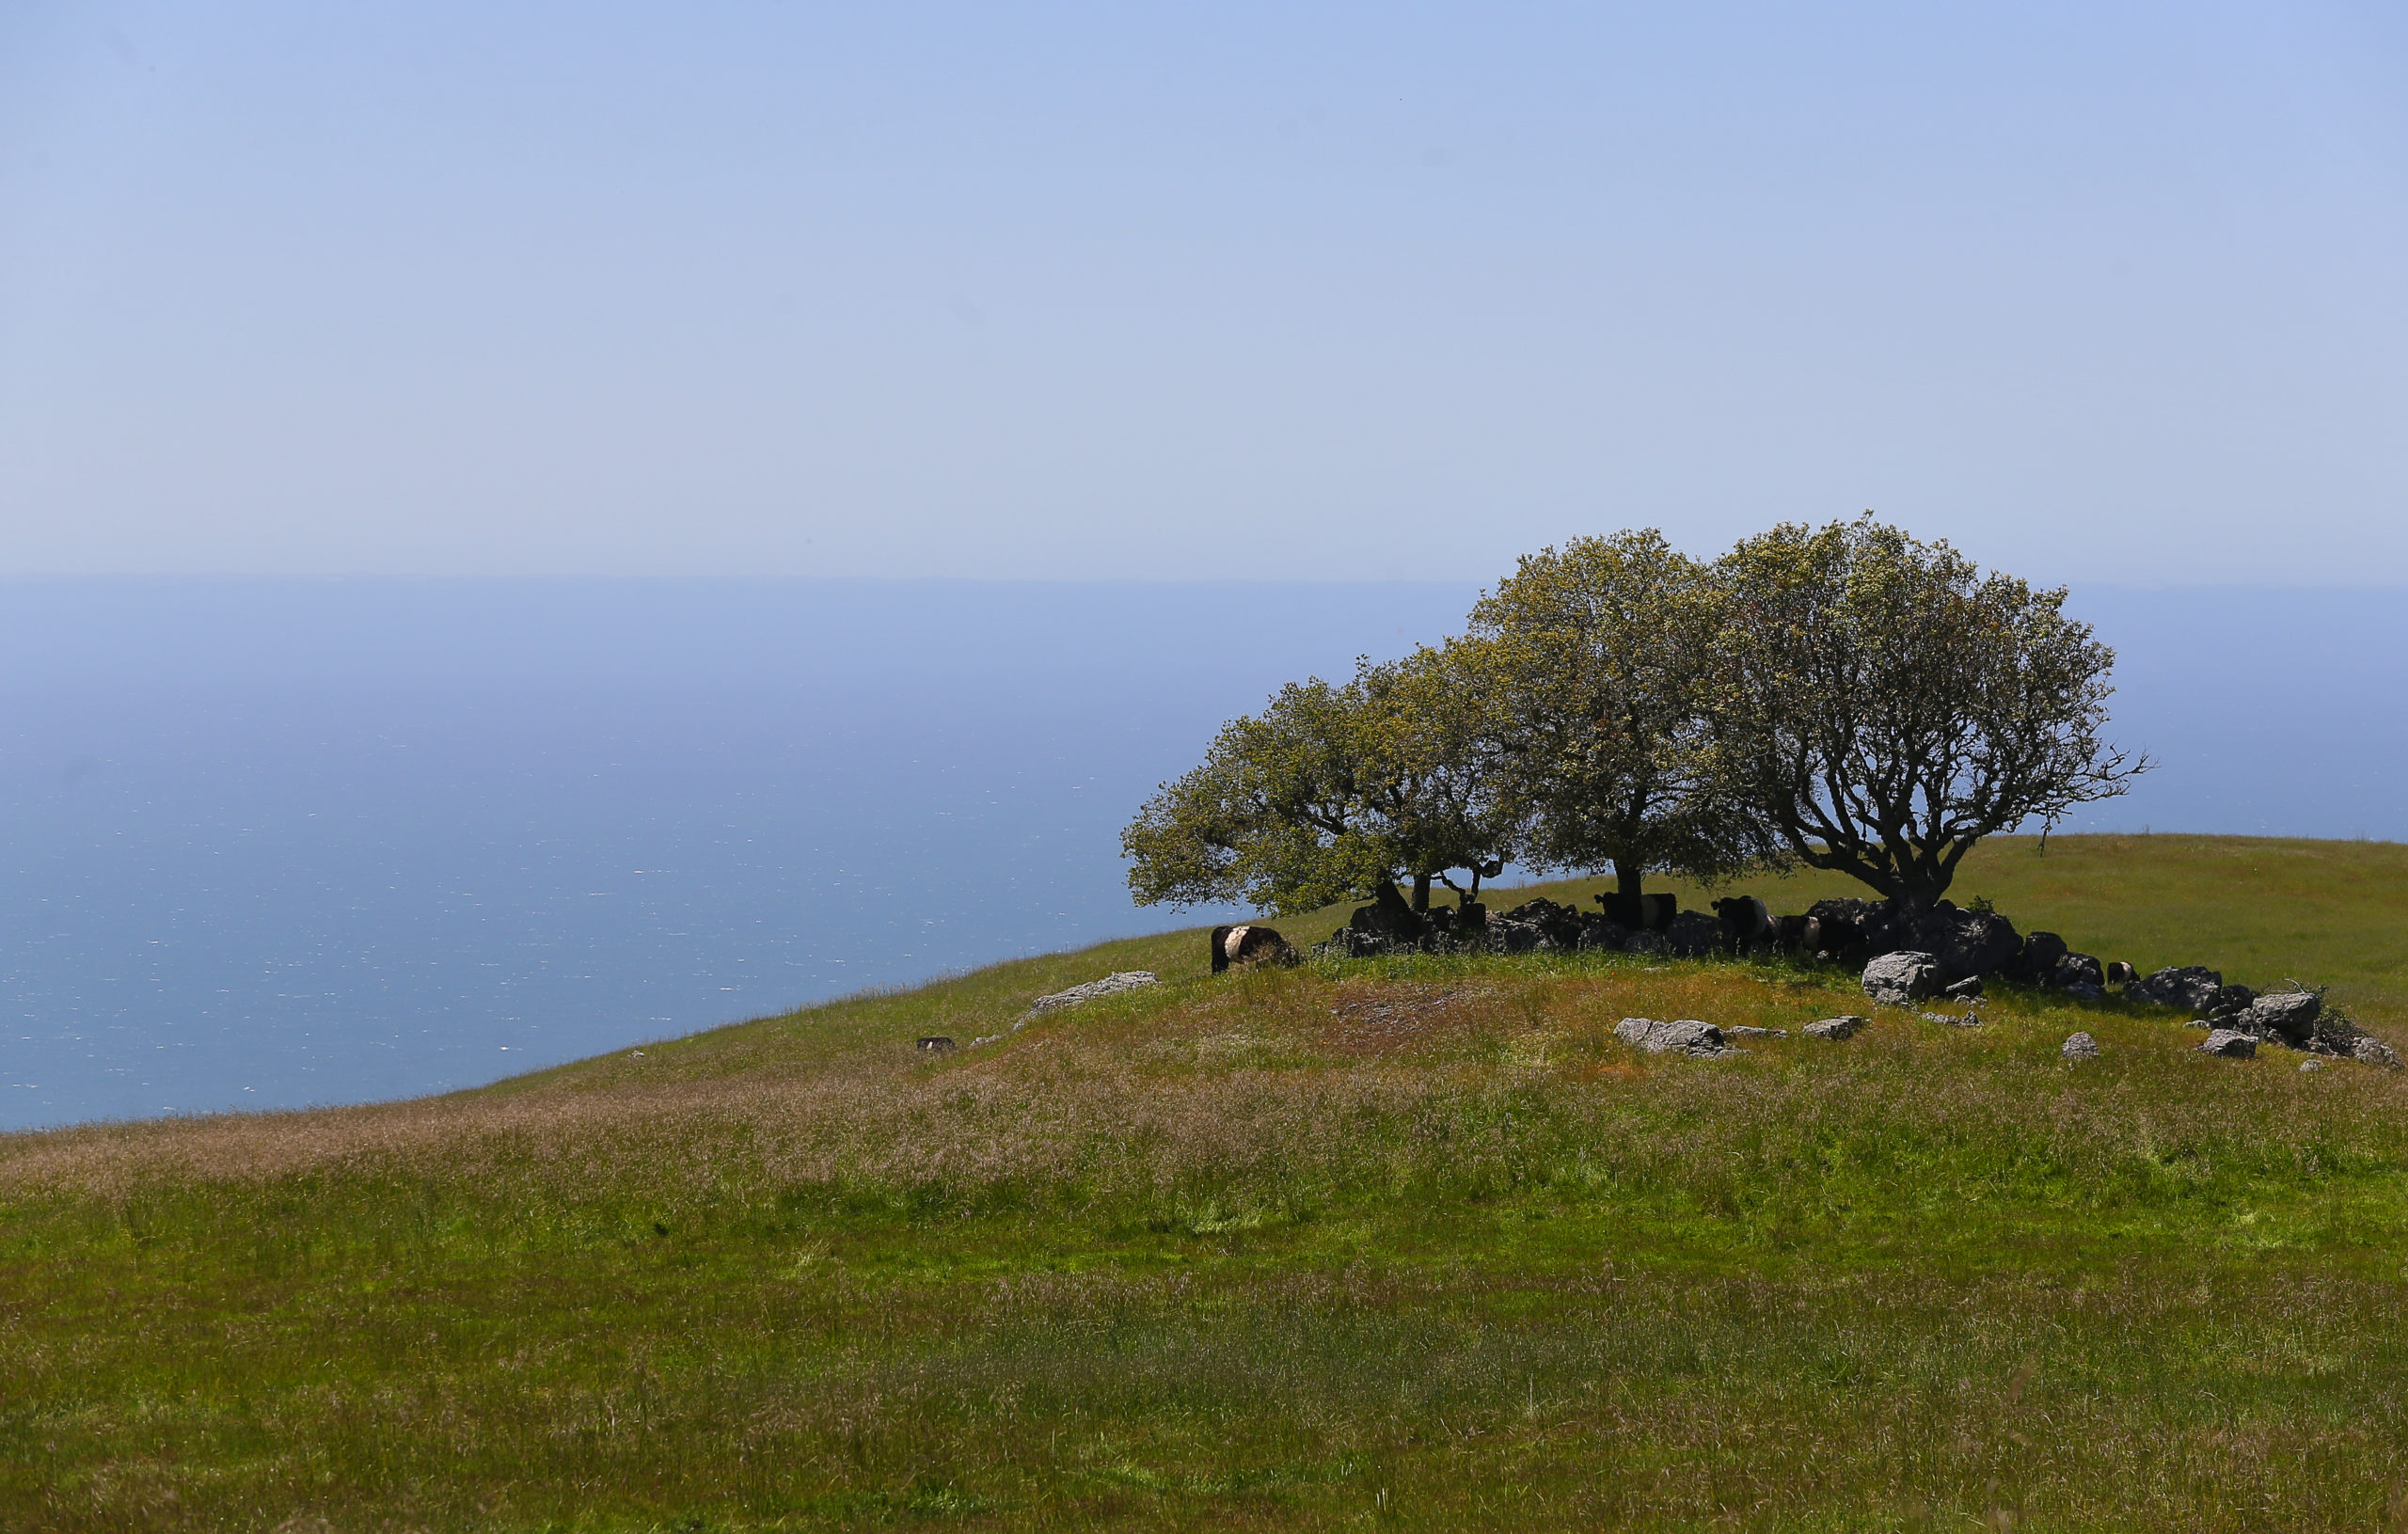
(2102, 293)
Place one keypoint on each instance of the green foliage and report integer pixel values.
(1601, 657)
(1845, 697)
(1888, 705)
(1330, 793)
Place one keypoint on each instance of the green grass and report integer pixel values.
(1409, 1244)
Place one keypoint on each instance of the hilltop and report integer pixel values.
(1409, 1241)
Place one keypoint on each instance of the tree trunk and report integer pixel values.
(1918, 897)
(1422, 895)
(1628, 881)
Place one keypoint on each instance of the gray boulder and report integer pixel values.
(1539, 924)
(2038, 958)
(2082, 990)
(1110, 985)
(1903, 978)
(2187, 985)
(1603, 934)
(2079, 1047)
(2230, 1000)
(1683, 1035)
(1836, 1029)
(2289, 1016)
(1388, 921)
(1749, 1030)
(2079, 969)
(1964, 990)
(1964, 943)
(2229, 1043)
(1693, 934)
(2374, 1052)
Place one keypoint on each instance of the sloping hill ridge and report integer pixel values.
(1408, 1243)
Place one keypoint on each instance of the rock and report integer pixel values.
(1964, 990)
(2374, 1052)
(2230, 1043)
(1388, 920)
(1110, 985)
(2079, 1047)
(1536, 923)
(1351, 943)
(1647, 942)
(2311, 1063)
(1685, 1036)
(2038, 958)
(1746, 1030)
(2287, 1015)
(2227, 1000)
(1693, 934)
(2185, 986)
(2198, 1022)
(1836, 1029)
(1966, 944)
(1603, 934)
(935, 1044)
(1902, 979)
(1249, 944)
(2082, 990)
(2121, 973)
(1836, 929)
(2079, 969)
(985, 1038)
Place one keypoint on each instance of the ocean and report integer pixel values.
(276, 844)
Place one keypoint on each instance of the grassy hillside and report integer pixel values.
(1398, 1244)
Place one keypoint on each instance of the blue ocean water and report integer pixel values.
(269, 843)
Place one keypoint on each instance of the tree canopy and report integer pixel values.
(1845, 697)
(1332, 792)
(1887, 705)
(1603, 656)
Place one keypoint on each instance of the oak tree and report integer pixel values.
(1332, 792)
(1887, 704)
(1601, 657)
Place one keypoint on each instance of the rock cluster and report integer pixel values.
(1905, 959)
(2291, 1020)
